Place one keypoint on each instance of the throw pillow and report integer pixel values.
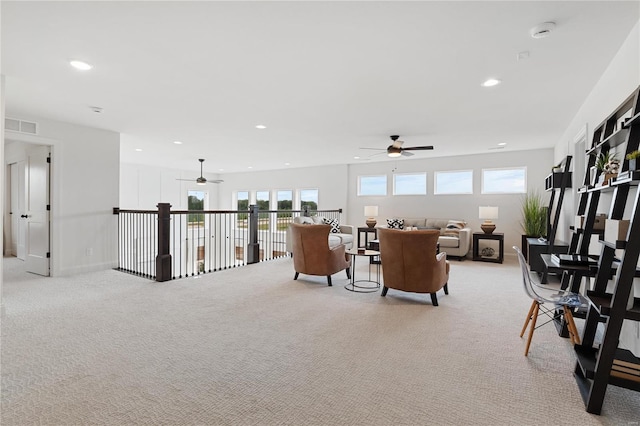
(395, 223)
(335, 225)
(453, 228)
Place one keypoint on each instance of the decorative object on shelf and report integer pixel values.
(487, 213)
(371, 212)
(487, 252)
(632, 157)
(608, 165)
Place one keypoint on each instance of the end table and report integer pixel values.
(477, 255)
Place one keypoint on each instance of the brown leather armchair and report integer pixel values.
(311, 252)
(410, 263)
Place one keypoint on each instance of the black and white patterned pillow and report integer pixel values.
(335, 225)
(395, 223)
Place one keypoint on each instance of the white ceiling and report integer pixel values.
(325, 77)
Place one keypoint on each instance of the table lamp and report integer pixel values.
(371, 212)
(487, 213)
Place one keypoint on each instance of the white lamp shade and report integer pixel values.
(488, 212)
(371, 211)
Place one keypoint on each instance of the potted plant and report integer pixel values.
(608, 166)
(534, 218)
(632, 157)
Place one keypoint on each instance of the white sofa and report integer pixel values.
(454, 246)
(345, 236)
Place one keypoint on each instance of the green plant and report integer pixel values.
(534, 215)
(633, 155)
(605, 159)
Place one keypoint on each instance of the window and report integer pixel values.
(454, 182)
(262, 200)
(284, 200)
(372, 185)
(504, 181)
(243, 200)
(410, 184)
(195, 201)
(309, 197)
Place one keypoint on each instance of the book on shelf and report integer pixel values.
(574, 259)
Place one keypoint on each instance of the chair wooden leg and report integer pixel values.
(534, 318)
(384, 291)
(524, 327)
(329, 280)
(295, 277)
(348, 273)
(446, 288)
(571, 326)
(434, 299)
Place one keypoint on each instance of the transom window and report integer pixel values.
(372, 185)
(504, 181)
(410, 184)
(453, 182)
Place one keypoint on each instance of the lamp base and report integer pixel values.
(371, 223)
(488, 228)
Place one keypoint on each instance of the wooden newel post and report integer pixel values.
(163, 260)
(253, 248)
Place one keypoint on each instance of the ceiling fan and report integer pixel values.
(396, 149)
(202, 180)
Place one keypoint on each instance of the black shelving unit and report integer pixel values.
(556, 183)
(598, 366)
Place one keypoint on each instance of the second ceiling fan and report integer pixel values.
(202, 180)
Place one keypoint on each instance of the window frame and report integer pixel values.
(524, 187)
(435, 182)
(422, 174)
(359, 186)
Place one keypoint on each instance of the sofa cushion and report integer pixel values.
(346, 239)
(437, 223)
(453, 228)
(335, 225)
(413, 222)
(446, 241)
(318, 220)
(303, 220)
(334, 240)
(395, 223)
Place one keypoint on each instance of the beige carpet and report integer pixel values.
(250, 346)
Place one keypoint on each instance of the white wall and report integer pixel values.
(143, 187)
(538, 163)
(619, 80)
(84, 189)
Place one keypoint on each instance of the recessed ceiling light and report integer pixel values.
(80, 65)
(287, 164)
(222, 170)
(356, 158)
(138, 150)
(502, 144)
(261, 126)
(491, 82)
(177, 142)
(250, 167)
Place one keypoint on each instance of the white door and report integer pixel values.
(18, 222)
(37, 210)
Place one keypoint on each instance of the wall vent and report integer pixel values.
(21, 126)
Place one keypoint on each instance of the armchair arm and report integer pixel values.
(338, 258)
(347, 229)
(465, 240)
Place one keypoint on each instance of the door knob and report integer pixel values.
(24, 216)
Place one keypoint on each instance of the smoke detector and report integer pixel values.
(542, 30)
(96, 109)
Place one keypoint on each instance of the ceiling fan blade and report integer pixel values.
(377, 153)
(418, 148)
(376, 149)
(406, 154)
(397, 143)
(215, 181)
(187, 180)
